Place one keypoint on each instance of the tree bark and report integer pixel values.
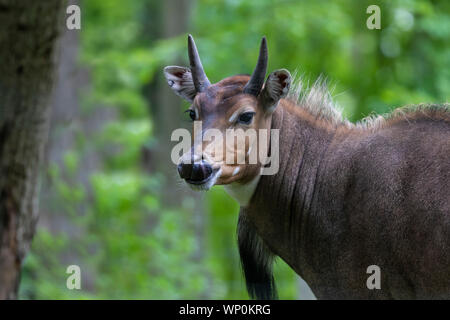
(28, 30)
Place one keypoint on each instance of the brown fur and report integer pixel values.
(347, 197)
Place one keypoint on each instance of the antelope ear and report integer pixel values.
(276, 87)
(180, 80)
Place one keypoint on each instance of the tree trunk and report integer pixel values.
(28, 30)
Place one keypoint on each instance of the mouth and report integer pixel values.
(207, 183)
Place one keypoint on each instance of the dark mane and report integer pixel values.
(407, 113)
(256, 261)
(317, 101)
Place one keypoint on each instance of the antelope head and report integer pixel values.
(229, 117)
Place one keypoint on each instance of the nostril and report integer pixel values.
(207, 169)
(196, 174)
(200, 171)
(184, 170)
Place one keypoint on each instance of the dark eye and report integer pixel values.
(191, 114)
(246, 117)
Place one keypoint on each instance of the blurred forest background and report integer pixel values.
(110, 200)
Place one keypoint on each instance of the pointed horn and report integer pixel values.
(201, 82)
(256, 82)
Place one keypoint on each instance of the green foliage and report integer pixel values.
(127, 243)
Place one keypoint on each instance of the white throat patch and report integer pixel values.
(242, 193)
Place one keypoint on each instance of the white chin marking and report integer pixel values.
(236, 171)
(208, 184)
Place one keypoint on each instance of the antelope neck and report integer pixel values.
(282, 206)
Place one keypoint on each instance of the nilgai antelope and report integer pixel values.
(345, 197)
